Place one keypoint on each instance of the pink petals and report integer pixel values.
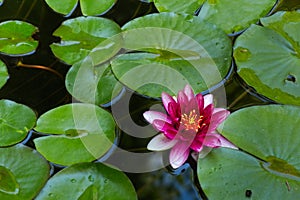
(189, 126)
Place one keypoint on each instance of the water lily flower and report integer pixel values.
(188, 126)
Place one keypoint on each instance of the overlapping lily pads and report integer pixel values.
(80, 133)
(16, 38)
(96, 7)
(178, 6)
(235, 16)
(271, 133)
(268, 57)
(15, 122)
(92, 84)
(3, 74)
(86, 181)
(82, 35)
(174, 54)
(23, 173)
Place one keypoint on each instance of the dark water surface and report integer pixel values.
(43, 90)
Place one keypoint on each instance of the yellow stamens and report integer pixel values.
(191, 121)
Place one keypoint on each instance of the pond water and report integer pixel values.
(43, 90)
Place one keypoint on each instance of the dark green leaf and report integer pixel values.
(88, 181)
(15, 122)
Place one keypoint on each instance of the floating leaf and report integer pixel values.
(268, 58)
(15, 122)
(189, 6)
(174, 53)
(23, 173)
(84, 132)
(235, 16)
(84, 35)
(3, 74)
(92, 84)
(86, 181)
(95, 7)
(270, 133)
(16, 38)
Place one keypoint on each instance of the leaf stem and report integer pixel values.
(20, 64)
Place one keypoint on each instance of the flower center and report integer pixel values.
(191, 121)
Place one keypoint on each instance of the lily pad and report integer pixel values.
(15, 122)
(16, 38)
(23, 173)
(96, 7)
(235, 16)
(268, 57)
(174, 54)
(178, 6)
(3, 74)
(81, 133)
(92, 84)
(271, 134)
(88, 181)
(84, 35)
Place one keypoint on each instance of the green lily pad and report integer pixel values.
(92, 84)
(86, 181)
(96, 7)
(271, 133)
(268, 58)
(15, 122)
(23, 173)
(3, 74)
(84, 35)
(235, 16)
(16, 38)
(173, 50)
(81, 133)
(178, 6)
